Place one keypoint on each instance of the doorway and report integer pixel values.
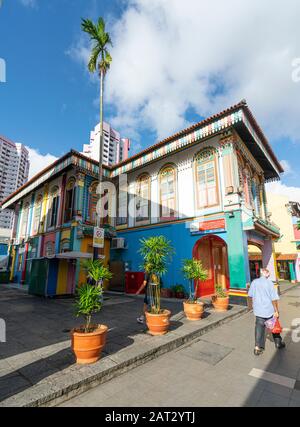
(212, 252)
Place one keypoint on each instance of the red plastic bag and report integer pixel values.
(277, 328)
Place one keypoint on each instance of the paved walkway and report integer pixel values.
(218, 369)
(37, 365)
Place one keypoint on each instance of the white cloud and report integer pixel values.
(29, 3)
(293, 193)
(169, 57)
(38, 161)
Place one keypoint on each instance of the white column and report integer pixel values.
(185, 190)
(131, 201)
(155, 208)
(268, 258)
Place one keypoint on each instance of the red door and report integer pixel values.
(212, 252)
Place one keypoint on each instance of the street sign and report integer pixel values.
(98, 241)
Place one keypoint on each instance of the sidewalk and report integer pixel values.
(37, 365)
(218, 369)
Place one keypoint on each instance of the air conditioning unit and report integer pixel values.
(118, 243)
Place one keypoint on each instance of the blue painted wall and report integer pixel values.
(181, 239)
(3, 249)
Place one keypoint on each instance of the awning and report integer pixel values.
(287, 257)
(74, 255)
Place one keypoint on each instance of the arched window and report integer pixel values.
(70, 200)
(143, 197)
(25, 220)
(53, 207)
(168, 201)
(207, 193)
(37, 214)
(93, 202)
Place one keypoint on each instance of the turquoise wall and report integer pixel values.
(237, 251)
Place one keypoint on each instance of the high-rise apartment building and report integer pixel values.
(115, 148)
(14, 169)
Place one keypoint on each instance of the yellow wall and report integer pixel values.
(87, 246)
(282, 218)
(62, 277)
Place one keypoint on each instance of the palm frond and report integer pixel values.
(90, 28)
(92, 66)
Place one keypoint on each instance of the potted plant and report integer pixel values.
(89, 339)
(193, 272)
(179, 291)
(165, 293)
(221, 299)
(156, 252)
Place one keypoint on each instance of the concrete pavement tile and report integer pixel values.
(279, 389)
(269, 399)
(295, 395)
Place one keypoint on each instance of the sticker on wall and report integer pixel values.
(98, 241)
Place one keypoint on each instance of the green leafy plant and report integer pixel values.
(193, 271)
(96, 271)
(179, 288)
(88, 302)
(156, 252)
(89, 298)
(221, 292)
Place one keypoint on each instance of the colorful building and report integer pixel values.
(203, 188)
(54, 223)
(297, 241)
(282, 211)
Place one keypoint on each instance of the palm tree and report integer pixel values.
(100, 60)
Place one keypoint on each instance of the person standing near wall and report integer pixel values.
(144, 286)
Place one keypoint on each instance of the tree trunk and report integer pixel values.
(100, 216)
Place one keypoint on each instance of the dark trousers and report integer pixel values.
(260, 333)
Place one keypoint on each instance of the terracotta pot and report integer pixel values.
(193, 311)
(158, 324)
(165, 293)
(88, 347)
(220, 304)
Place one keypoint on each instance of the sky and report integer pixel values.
(174, 63)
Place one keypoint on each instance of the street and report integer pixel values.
(219, 369)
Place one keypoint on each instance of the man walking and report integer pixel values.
(264, 299)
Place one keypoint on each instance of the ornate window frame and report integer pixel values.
(70, 186)
(143, 177)
(207, 154)
(173, 167)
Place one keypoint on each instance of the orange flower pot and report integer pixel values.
(193, 311)
(88, 347)
(220, 304)
(158, 324)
